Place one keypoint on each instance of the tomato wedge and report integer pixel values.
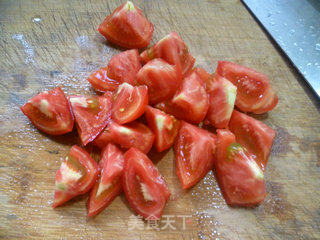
(50, 112)
(129, 103)
(127, 27)
(109, 185)
(143, 185)
(122, 67)
(221, 102)
(194, 151)
(172, 49)
(254, 92)
(76, 175)
(240, 178)
(254, 135)
(92, 114)
(162, 80)
(206, 77)
(133, 134)
(164, 126)
(190, 103)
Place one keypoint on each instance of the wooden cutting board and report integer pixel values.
(45, 44)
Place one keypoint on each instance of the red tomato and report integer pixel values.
(129, 103)
(162, 80)
(253, 135)
(144, 187)
(109, 186)
(190, 103)
(50, 112)
(254, 92)
(92, 114)
(221, 102)
(127, 27)
(100, 81)
(122, 67)
(164, 126)
(194, 151)
(206, 77)
(76, 175)
(173, 50)
(133, 134)
(240, 178)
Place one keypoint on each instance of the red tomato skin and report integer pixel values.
(190, 103)
(221, 102)
(162, 80)
(164, 137)
(255, 93)
(127, 27)
(90, 122)
(131, 100)
(138, 164)
(203, 143)
(96, 205)
(133, 134)
(79, 188)
(173, 50)
(254, 135)
(237, 182)
(101, 82)
(62, 108)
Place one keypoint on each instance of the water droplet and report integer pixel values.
(36, 19)
(292, 31)
(295, 44)
(309, 64)
(300, 49)
(318, 46)
(272, 23)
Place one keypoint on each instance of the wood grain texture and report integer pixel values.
(50, 43)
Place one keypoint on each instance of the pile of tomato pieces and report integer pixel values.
(158, 98)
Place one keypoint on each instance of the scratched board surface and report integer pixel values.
(45, 44)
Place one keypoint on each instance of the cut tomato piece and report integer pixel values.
(127, 27)
(172, 49)
(221, 102)
(206, 77)
(50, 112)
(133, 134)
(164, 126)
(253, 135)
(109, 186)
(162, 80)
(101, 82)
(194, 151)
(129, 103)
(240, 178)
(254, 92)
(122, 67)
(190, 103)
(76, 175)
(144, 187)
(92, 114)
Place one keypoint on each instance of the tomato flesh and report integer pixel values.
(173, 50)
(76, 175)
(254, 135)
(129, 103)
(221, 102)
(133, 134)
(206, 77)
(194, 151)
(164, 126)
(50, 112)
(190, 103)
(144, 187)
(92, 114)
(254, 92)
(240, 178)
(127, 27)
(109, 185)
(162, 80)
